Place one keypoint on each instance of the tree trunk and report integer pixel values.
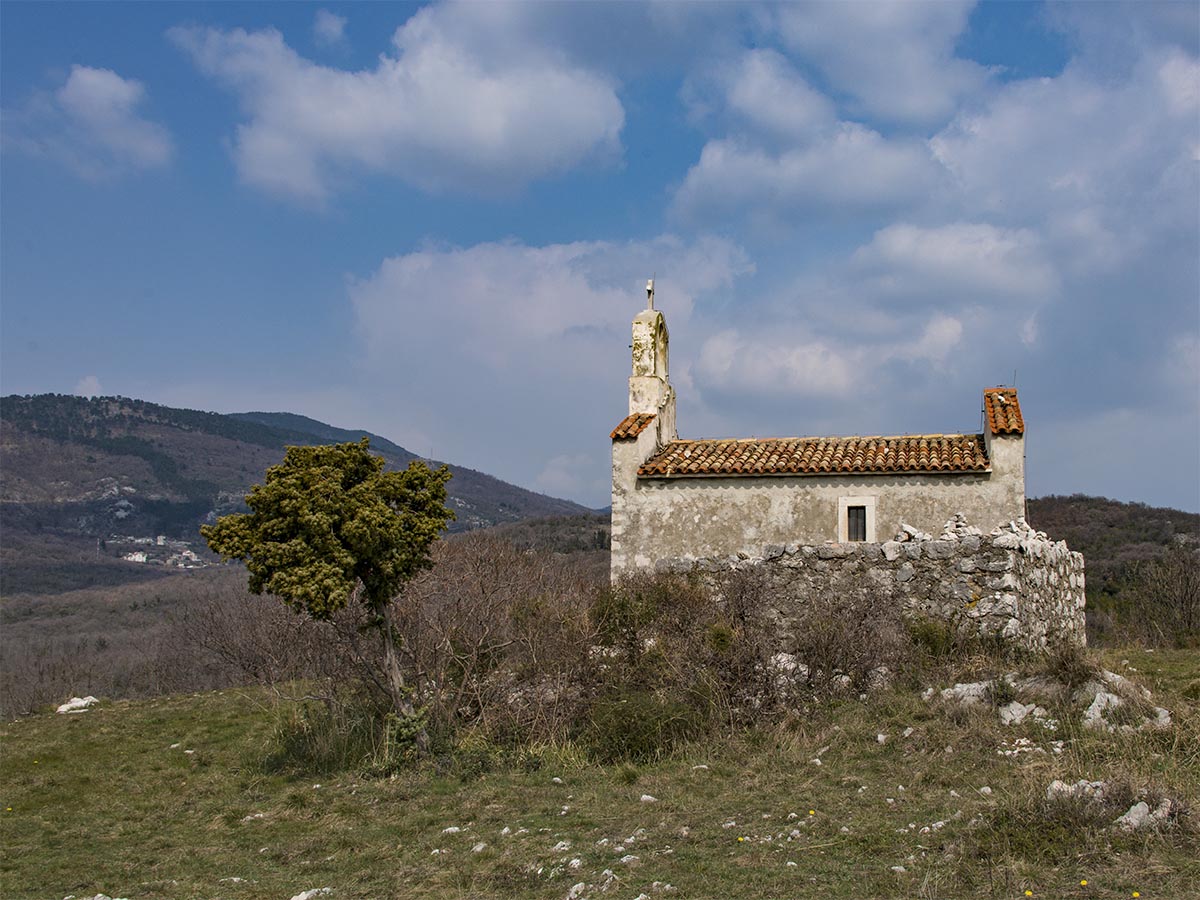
(401, 697)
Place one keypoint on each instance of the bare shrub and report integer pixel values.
(1167, 596)
(852, 634)
(499, 637)
(114, 642)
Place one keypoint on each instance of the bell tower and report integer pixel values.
(650, 390)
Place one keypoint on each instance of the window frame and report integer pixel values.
(843, 518)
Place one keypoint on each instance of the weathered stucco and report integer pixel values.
(1014, 583)
(657, 519)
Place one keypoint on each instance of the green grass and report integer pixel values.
(101, 803)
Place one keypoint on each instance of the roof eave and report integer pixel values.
(873, 473)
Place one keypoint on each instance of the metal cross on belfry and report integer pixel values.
(650, 294)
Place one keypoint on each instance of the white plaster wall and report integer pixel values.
(672, 518)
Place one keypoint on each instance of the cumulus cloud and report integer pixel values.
(895, 59)
(527, 340)
(760, 91)
(976, 261)
(432, 112)
(758, 365)
(851, 169)
(329, 29)
(786, 153)
(92, 125)
(1097, 160)
(795, 361)
(88, 386)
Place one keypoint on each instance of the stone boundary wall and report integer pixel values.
(1014, 582)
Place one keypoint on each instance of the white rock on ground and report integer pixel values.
(76, 704)
(1081, 790)
(1016, 712)
(312, 894)
(968, 694)
(1141, 816)
(576, 891)
(647, 798)
(1093, 716)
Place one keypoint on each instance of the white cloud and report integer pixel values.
(851, 169)
(1096, 162)
(793, 361)
(977, 260)
(894, 59)
(530, 343)
(91, 125)
(88, 386)
(763, 92)
(941, 335)
(759, 365)
(434, 113)
(574, 475)
(329, 29)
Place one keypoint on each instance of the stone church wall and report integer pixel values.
(1014, 582)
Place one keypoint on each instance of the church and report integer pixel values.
(678, 498)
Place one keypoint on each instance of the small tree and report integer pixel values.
(329, 527)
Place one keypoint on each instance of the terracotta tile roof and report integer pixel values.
(1002, 411)
(631, 426)
(820, 456)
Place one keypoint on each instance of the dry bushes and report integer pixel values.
(125, 641)
(515, 648)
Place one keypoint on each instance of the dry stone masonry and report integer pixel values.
(1013, 583)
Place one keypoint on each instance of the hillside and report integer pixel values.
(191, 796)
(81, 478)
(1110, 534)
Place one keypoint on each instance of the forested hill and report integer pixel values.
(296, 424)
(73, 468)
(1111, 535)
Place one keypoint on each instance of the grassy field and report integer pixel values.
(103, 802)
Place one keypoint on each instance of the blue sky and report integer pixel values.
(435, 221)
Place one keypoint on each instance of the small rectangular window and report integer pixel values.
(856, 523)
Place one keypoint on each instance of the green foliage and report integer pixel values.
(639, 726)
(329, 519)
(1000, 693)
(627, 773)
(933, 638)
(719, 638)
(313, 739)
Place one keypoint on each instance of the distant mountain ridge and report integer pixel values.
(77, 470)
(293, 423)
